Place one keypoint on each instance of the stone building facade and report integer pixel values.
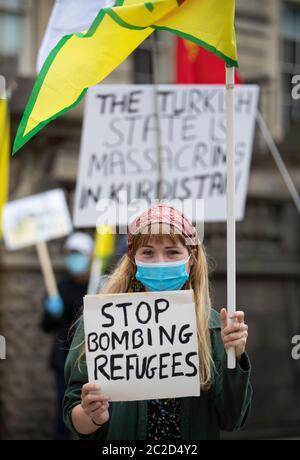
(268, 242)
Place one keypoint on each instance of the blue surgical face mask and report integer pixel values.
(163, 276)
(77, 263)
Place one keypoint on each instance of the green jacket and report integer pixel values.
(224, 407)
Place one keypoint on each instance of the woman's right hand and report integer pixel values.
(94, 403)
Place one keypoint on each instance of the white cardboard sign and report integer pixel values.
(119, 147)
(36, 218)
(142, 346)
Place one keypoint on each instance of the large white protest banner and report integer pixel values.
(119, 147)
(142, 345)
(36, 218)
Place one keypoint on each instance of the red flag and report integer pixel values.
(196, 65)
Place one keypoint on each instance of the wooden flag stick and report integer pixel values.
(47, 269)
(231, 225)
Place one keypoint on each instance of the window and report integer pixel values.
(143, 62)
(143, 72)
(12, 18)
(290, 30)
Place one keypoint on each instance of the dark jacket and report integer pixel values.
(72, 294)
(224, 407)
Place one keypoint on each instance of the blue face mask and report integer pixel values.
(164, 276)
(77, 263)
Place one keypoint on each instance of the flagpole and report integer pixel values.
(231, 224)
(155, 82)
(47, 269)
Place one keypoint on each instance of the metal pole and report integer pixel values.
(231, 224)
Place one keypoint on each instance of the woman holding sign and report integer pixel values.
(164, 254)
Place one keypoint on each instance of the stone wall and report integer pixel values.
(26, 382)
(268, 289)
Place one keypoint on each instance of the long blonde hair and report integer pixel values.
(123, 278)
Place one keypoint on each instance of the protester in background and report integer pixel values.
(164, 254)
(61, 312)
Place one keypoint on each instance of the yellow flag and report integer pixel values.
(104, 242)
(4, 156)
(84, 59)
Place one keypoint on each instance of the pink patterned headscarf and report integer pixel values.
(167, 215)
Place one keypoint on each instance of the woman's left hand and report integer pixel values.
(234, 333)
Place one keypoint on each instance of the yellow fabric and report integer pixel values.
(81, 63)
(4, 157)
(209, 21)
(104, 242)
(84, 60)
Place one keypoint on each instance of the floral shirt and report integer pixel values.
(163, 419)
